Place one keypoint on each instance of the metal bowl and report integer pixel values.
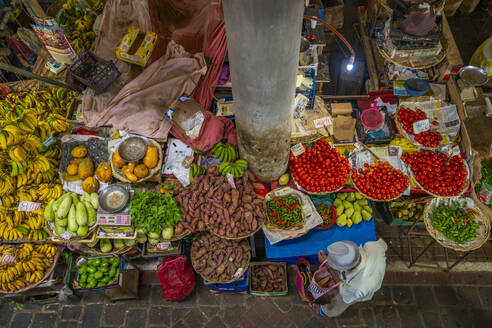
(473, 75)
(113, 198)
(132, 149)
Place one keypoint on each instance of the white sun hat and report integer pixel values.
(343, 255)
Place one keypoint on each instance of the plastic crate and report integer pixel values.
(94, 72)
(214, 106)
(309, 93)
(239, 286)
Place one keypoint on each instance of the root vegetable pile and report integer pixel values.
(427, 138)
(380, 180)
(435, 174)
(320, 168)
(217, 259)
(268, 278)
(209, 202)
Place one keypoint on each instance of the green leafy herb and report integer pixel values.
(152, 211)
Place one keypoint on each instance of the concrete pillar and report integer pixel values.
(263, 39)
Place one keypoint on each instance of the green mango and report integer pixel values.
(115, 260)
(111, 272)
(103, 269)
(91, 269)
(83, 268)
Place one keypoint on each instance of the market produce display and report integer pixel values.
(211, 203)
(408, 117)
(29, 170)
(284, 212)
(320, 169)
(219, 260)
(380, 181)
(98, 272)
(110, 245)
(72, 215)
(327, 213)
(155, 216)
(268, 277)
(455, 222)
(81, 167)
(137, 171)
(77, 21)
(351, 208)
(24, 264)
(407, 211)
(437, 173)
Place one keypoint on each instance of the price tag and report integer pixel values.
(164, 245)
(421, 126)
(230, 179)
(359, 145)
(49, 141)
(320, 122)
(437, 105)
(8, 258)
(66, 235)
(28, 206)
(238, 273)
(297, 149)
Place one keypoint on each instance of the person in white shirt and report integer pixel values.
(361, 270)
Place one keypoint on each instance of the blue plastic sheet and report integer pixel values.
(319, 239)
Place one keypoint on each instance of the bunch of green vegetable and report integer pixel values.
(455, 222)
(284, 212)
(154, 213)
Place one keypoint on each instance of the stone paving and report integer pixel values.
(392, 307)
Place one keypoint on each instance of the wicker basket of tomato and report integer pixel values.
(320, 169)
(405, 119)
(437, 174)
(328, 213)
(284, 212)
(380, 181)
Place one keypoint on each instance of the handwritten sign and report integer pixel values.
(230, 179)
(320, 122)
(421, 126)
(28, 206)
(8, 258)
(297, 149)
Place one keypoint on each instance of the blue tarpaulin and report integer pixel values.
(317, 239)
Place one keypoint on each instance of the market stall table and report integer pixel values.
(319, 239)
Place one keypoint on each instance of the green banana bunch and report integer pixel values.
(196, 170)
(236, 169)
(225, 153)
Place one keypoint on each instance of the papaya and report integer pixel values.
(86, 168)
(117, 160)
(151, 157)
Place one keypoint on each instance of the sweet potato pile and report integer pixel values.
(268, 278)
(217, 259)
(210, 203)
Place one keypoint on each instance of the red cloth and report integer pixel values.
(213, 130)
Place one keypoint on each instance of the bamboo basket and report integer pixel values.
(192, 253)
(481, 238)
(152, 172)
(467, 183)
(252, 233)
(406, 62)
(90, 237)
(46, 275)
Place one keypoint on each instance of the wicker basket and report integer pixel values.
(298, 187)
(481, 238)
(406, 62)
(46, 275)
(467, 183)
(156, 170)
(192, 253)
(90, 237)
(374, 199)
(252, 233)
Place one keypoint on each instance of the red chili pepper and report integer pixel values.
(457, 220)
(465, 221)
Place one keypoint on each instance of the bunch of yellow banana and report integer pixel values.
(7, 184)
(27, 193)
(9, 200)
(53, 152)
(47, 191)
(44, 130)
(10, 233)
(27, 122)
(41, 164)
(30, 266)
(18, 168)
(17, 153)
(10, 135)
(57, 122)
